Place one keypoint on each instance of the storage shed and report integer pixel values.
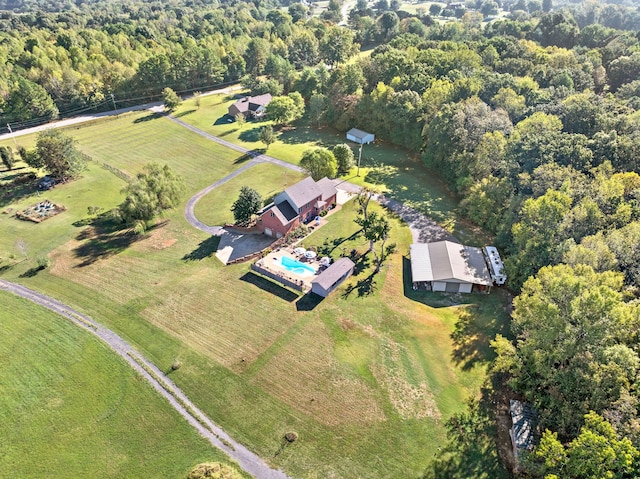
(360, 137)
(332, 277)
(448, 267)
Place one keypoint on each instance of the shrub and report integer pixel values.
(214, 470)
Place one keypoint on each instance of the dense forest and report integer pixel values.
(533, 120)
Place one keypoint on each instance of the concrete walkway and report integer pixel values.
(247, 460)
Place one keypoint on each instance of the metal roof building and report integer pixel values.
(447, 266)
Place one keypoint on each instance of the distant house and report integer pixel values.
(250, 106)
(360, 137)
(523, 424)
(448, 267)
(332, 277)
(297, 204)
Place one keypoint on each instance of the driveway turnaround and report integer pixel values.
(247, 460)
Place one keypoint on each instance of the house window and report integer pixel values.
(307, 205)
(272, 215)
(299, 210)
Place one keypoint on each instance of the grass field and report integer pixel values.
(366, 377)
(71, 408)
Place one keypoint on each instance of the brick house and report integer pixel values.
(250, 106)
(297, 204)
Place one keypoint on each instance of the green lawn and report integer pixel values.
(265, 178)
(71, 408)
(367, 377)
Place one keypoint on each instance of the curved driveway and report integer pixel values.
(249, 461)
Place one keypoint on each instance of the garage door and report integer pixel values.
(439, 286)
(465, 287)
(268, 232)
(452, 287)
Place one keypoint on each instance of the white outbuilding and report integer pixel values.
(360, 137)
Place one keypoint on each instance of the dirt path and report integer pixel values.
(247, 460)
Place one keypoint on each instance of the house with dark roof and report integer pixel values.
(449, 267)
(332, 277)
(250, 106)
(297, 204)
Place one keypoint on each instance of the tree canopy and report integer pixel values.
(57, 154)
(150, 194)
(248, 204)
(318, 163)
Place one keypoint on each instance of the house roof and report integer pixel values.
(282, 211)
(523, 418)
(327, 188)
(303, 192)
(360, 134)
(448, 261)
(333, 273)
(250, 103)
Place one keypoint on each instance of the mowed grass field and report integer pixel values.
(367, 377)
(71, 408)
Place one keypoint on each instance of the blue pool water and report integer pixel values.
(296, 266)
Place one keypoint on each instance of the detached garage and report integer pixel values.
(448, 267)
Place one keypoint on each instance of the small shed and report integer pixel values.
(332, 277)
(360, 137)
(522, 432)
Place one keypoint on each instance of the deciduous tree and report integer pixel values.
(171, 99)
(267, 136)
(318, 163)
(150, 194)
(344, 157)
(248, 204)
(58, 155)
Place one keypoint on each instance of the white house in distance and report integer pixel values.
(360, 137)
(449, 267)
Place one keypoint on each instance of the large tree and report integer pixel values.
(285, 109)
(29, 101)
(151, 193)
(344, 156)
(248, 204)
(573, 350)
(170, 99)
(6, 154)
(318, 163)
(57, 154)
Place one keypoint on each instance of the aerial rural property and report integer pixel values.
(337, 239)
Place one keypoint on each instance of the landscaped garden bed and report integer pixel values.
(40, 211)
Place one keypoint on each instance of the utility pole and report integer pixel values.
(14, 138)
(114, 105)
(359, 157)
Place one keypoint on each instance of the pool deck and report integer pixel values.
(270, 263)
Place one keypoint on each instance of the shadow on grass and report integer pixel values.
(477, 325)
(225, 133)
(329, 247)
(104, 239)
(244, 158)
(303, 133)
(7, 267)
(149, 117)
(308, 302)
(364, 287)
(471, 449)
(31, 272)
(205, 249)
(269, 286)
(251, 135)
(184, 113)
(14, 193)
(224, 120)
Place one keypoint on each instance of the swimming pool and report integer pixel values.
(295, 266)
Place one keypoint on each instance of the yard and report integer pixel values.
(71, 408)
(366, 377)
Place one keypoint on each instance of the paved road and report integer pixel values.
(249, 461)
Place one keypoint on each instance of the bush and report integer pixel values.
(43, 262)
(214, 470)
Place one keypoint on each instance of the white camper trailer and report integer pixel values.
(496, 268)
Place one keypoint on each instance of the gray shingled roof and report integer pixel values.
(333, 273)
(327, 188)
(448, 261)
(303, 192)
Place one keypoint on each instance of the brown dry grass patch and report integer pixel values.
(305, 375)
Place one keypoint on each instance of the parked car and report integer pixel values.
(46, 183)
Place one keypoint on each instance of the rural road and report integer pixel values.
(247, 460)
